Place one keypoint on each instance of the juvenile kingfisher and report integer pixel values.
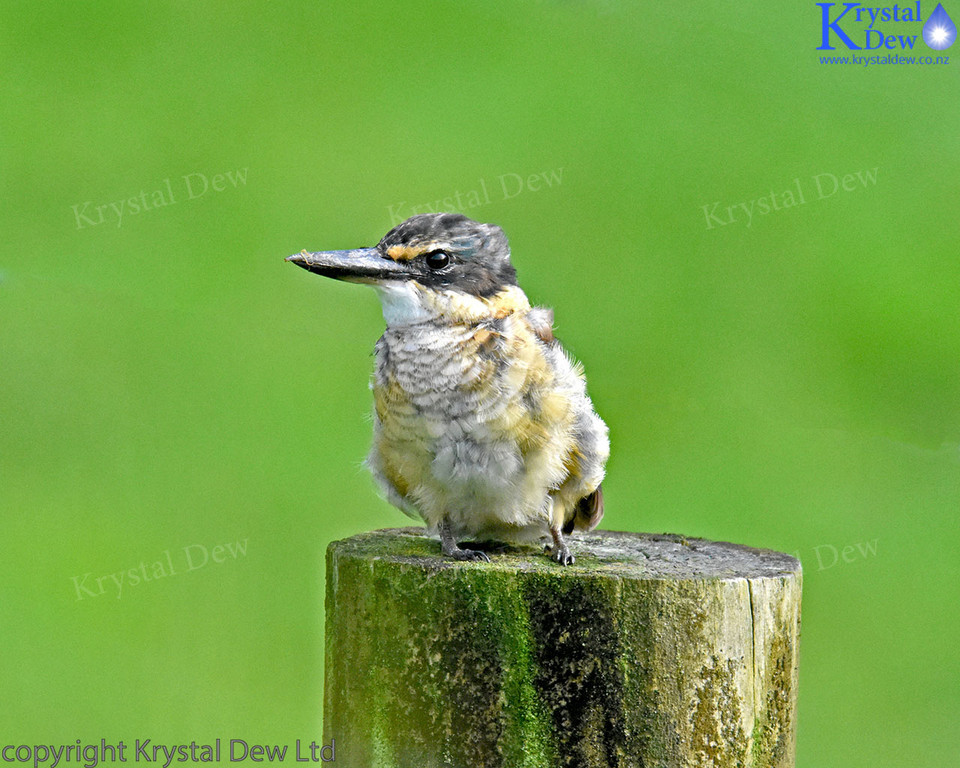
(482, 423)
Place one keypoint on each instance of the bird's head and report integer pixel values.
(431, 264)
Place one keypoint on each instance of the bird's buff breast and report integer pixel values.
(472, 424)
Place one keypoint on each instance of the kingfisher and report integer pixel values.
(482, 424)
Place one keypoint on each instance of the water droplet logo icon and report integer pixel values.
(939, 32)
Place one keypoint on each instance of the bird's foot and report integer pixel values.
(448, 544)
(468, 554)
(561, 555)
(559, 551)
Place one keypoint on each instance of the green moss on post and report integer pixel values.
(650, 651)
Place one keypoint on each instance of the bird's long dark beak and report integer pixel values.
(361, 265)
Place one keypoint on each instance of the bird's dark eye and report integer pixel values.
(437, 259)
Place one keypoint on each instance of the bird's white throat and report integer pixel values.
(403, 303)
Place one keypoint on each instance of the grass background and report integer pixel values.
(167, 381)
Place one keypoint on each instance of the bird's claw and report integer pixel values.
(469, 555)
(561, 555)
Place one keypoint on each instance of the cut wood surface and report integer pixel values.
(652, 650)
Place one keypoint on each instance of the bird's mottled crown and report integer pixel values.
(448, 250)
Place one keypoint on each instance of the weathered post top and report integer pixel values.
(651, 650)
(630, 555)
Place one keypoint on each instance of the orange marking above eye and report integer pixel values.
(404, 252)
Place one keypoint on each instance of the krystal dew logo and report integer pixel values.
(839, 24)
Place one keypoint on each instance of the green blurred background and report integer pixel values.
(168, 383)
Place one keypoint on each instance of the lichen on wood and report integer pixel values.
(649, 651)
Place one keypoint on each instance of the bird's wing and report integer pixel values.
(541, 323)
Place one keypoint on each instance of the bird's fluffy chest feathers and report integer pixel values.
(474, 414)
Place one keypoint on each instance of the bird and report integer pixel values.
(482, 425)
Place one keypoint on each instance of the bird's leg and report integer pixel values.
(449, 546)
(560, 551)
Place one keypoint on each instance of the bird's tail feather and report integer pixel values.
(588, 513)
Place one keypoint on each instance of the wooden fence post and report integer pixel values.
(652, 650)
